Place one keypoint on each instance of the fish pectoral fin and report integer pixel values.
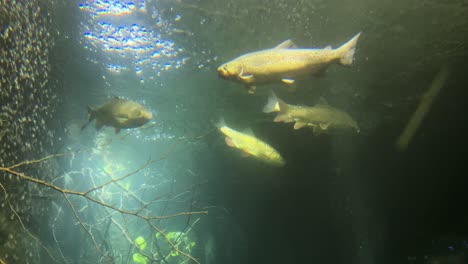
(288, 81)
(299, 125)
(287, 44)
(324, 126)
(122, 119)
(283, 118)
(229, 142)
(251, 89)
(328, 47)
(117, 130)
(248, 78)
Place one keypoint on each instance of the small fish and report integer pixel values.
(321, 117)
(285, 63)
(119, 113)
(250, 145)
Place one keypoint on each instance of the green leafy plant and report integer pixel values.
(181, 240)
(140, 242)
(138, 258)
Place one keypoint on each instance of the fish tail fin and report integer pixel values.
(275, 104)
(91, 113)
(92, 116)
(346, 51)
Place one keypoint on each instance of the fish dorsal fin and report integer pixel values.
(328, 47)
(323, 101)
(248, 131)
(287, 44)
(116, 99)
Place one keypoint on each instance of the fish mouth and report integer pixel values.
(148, 116)
(223, 73)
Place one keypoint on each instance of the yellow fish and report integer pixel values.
(250, 145)
(321, 117)
(284, 63)
(119, 113)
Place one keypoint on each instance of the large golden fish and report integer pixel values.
(119, 113)
(250, 145)
(321, 117)
(285, 63)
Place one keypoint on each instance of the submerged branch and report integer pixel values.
(12, 170)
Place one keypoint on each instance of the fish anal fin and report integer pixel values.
(320, 72)
(244, 154)
(251, 89)
(324, 126)
(229, 142)
(316, 130)
(287, 44)
(299, 125)
(291, 88)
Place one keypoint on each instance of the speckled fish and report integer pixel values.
(321, 118)
(250, 145)
(285, 63)
(119, 113)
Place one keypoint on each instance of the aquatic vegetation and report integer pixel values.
(182, 241)
(140, 243)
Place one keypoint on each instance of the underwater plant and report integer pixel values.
(182, 241)
(137, 257)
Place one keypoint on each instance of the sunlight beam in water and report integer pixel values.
(121, 30)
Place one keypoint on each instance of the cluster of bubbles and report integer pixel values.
(130, 46)
(27, 107)
(27, 101)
